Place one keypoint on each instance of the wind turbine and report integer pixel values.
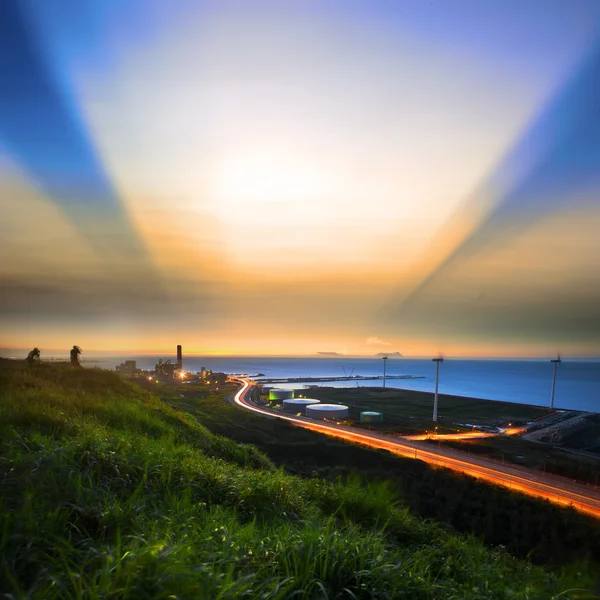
(384, 368)
(437, 362)
(556, 362)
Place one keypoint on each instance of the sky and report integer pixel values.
(249, 177)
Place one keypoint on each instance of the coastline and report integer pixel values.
(516, 381)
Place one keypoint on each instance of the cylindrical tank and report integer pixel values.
(371, 416)
(327, 411)
(265, 389)
(298, 405)
(280, 394)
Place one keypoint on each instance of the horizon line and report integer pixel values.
(118, 353)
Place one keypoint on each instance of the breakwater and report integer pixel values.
(341, 378)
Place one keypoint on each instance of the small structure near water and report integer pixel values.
(371, 416)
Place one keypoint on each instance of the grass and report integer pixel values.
(409, 411)
(543, 457)
(106, 491)
(585, 438)
(527, 527)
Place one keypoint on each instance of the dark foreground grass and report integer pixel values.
(107, 492)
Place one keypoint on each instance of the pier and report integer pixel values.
(334, 378)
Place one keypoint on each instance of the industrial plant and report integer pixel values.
(169, 371)
(165, 370)
(128, 369)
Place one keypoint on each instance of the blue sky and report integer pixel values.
(174, 162)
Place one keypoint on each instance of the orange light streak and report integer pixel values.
(517, 479)
(450, 436)
(514, 431)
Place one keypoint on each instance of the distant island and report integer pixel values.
(330, 354)
(390, 354)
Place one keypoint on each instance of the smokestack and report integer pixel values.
(179, 358)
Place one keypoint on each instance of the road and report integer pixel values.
(555, 489)
(450, 436)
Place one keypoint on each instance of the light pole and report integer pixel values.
(384, 368)
(437, 362)
(556, 361)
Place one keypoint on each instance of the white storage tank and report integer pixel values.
(298, 405)
(327, 411)
(280, 394)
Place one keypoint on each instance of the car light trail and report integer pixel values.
(517, 479)
(514, 431)
(449, 437)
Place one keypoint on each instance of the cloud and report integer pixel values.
(375, 341)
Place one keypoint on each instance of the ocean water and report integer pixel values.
(524, 381)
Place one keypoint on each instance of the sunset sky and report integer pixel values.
(290, 177)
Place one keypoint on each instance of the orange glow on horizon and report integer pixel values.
(275, 349)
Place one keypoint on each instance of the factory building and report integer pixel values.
(212, 378)
(280, 394)
(298, 405)
(218, 378)
(128, 369)
(327, 411)
(371, 416)
(165, 369)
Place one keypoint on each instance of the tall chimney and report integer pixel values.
(179, 358)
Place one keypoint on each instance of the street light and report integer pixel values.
(384, 368)
(437, 362)
(556, 361)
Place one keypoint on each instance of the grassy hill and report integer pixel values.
(106, 491)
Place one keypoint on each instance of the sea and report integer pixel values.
(526, 381)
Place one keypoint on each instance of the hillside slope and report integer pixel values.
(107, 492)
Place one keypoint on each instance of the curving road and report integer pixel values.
(556, 489)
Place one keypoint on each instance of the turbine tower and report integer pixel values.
(556, 362)
(437, 362)
(384, 368)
